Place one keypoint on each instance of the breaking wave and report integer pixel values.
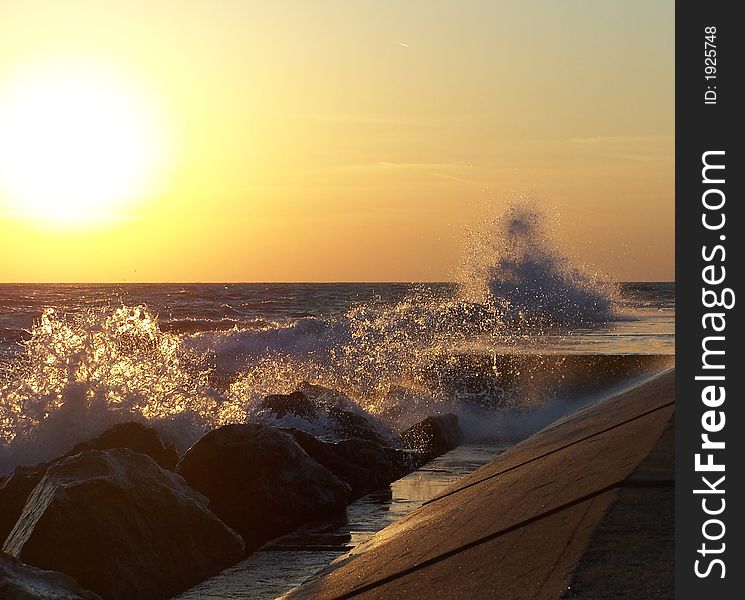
(79, 375)
(426, 354)
(531, 282)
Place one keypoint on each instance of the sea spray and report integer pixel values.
(431, 351)
(79, 375)
(534, 282)
(530, 281)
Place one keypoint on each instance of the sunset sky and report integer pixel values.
(328, 141)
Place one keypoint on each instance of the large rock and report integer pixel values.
(260, 481)
(296, 403)
(344, 416)
(21, 582)
(433, 436)
(14, 491)
(350, 424)
(134, 436)
(364, 465)
(16, 487)
(122, 527)
(330, 412)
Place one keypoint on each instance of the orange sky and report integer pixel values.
(336, 141)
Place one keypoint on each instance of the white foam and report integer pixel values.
(79, 375)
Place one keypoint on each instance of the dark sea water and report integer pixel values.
(189, 357)
(645, 326)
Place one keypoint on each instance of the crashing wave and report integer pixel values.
(398, 363)
(532, 282)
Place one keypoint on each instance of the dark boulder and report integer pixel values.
(296, 403)
(403, 461)
(21, 582)
(350, 424)
(16, 487)
(134, 436)
(14, 491)
(328, 410)
(363, 464)
(344, 416)
(433, 436)
(260, 481)
(122, 527)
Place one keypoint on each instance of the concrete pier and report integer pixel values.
(582, 509)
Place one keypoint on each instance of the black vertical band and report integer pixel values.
(709, 268)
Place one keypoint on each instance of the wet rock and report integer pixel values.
(22, 582)
(296, 403)
(16, 487)
(433, 436)
(363, 464)
(403, 461)
(345, 418)
(134, 436)
(14, 491)
(329, 411)
(350, 424)
(122, 526)
(260, 481)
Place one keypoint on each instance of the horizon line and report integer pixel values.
(277, 282)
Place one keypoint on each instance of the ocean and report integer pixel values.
(188, 357)
(524, 328)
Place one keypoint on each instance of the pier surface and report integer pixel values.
(582, 509)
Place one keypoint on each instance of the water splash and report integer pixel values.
(428, 353)
(532, 283)
(79, 375)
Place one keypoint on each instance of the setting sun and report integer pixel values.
(76, 147)
(192, 148)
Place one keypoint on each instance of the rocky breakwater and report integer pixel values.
(359, 449)
(113, 515)
(362, 464)
(432, 437)
(21, 582)
(260, 481)
(265, 480)
(122, 526)
(16, 487)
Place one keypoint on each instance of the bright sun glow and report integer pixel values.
(76, 147)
